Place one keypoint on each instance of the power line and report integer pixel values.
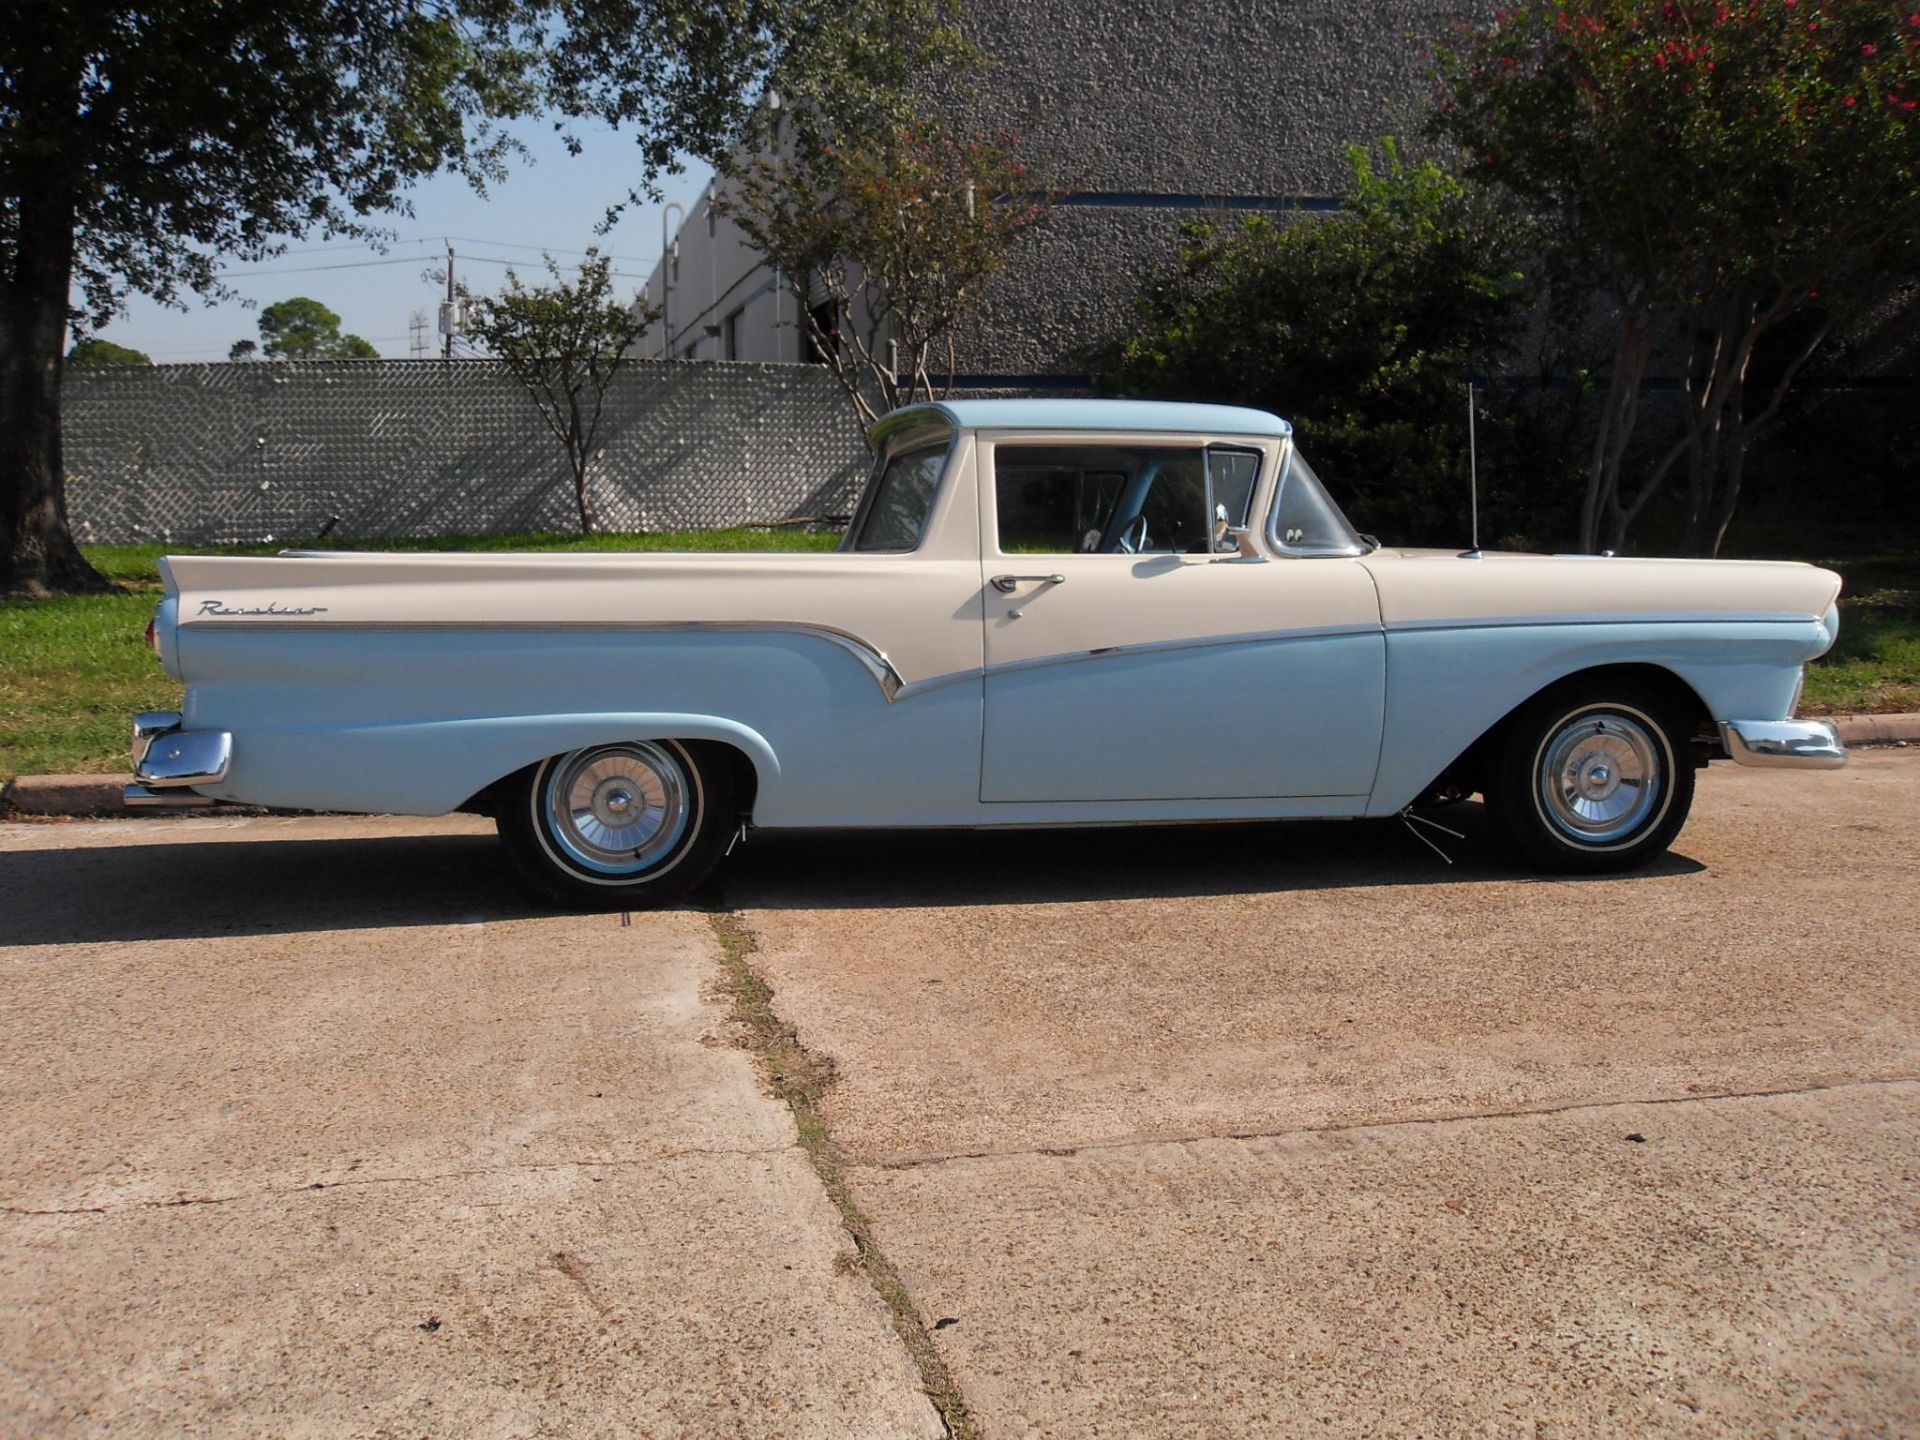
(315, 269)
(391, 260)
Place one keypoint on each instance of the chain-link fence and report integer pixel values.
(272, 451)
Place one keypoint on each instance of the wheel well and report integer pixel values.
(746, 779)
(1468, 770)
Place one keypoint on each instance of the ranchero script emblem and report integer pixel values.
(216, 607)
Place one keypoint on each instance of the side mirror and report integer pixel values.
(1242, 538)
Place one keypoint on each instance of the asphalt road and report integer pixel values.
(316, 1128)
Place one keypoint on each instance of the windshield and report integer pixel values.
(1305, 519)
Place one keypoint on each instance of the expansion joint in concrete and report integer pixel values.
(1143, 1142)
(801, 1078)
(361, 1182)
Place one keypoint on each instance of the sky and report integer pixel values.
(550, 201)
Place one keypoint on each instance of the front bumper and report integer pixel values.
(169, 761)
(1794, 744)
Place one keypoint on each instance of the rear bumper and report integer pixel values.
(169, 761)
(1793, 744)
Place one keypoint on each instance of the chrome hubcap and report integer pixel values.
(1600, 776)
(618, 809)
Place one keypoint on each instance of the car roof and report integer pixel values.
(1144, 415)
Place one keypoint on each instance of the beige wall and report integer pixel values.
(718, 279)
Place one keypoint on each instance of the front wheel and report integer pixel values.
(635, 823)
(1592, 777)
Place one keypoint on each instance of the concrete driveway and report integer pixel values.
(1215, 1131)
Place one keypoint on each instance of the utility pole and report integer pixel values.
(449, 316)
(417, 335)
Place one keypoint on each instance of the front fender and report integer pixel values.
(1446, 687)
(429, 767)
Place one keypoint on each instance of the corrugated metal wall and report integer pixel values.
(271, 451)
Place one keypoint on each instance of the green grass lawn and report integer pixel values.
(74, 670)
(1875, 665)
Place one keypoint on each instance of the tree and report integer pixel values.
(564, 341)
(243, 350)
(886, 237)
(1739, 176)
(145, 145)
(303, 329)
(1364, 328)
(95, 351)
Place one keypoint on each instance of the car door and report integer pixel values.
(1127, 658)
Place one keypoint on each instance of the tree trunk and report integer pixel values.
(37, 553)
(581, 499)
(1733, 472)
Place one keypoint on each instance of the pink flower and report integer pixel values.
(1867, 50)
(1849, 102)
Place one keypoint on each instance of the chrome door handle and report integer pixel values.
(1006, 584)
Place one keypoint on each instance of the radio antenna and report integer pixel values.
(1473, 481)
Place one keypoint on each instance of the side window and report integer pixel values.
(1100, 499)
(902, 500)
(1232, 473)
(1305, 519)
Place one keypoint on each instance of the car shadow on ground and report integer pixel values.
(912, 868)
(205, 889)
(262, 886)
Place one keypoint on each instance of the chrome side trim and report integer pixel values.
(873, 660)
(1193, 642)
(140, 797)
(1144, 647)
(1791, 744)
(185, 757)
(1617, 617)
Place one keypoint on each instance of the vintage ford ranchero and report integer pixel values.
(1043, 613)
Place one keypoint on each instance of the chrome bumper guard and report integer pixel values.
(1795, 744)
(167, 761)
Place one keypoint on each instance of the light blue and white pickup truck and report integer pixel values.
(1043, 613)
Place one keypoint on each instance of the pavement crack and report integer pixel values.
(55, 1210)
(1137, 1142)
(438, 1177)
(801, 1077)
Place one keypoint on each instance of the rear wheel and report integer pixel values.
(637, 822)
(1592, 776)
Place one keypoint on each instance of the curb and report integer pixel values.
(90, 797)
(1878, 729)
(94, 796)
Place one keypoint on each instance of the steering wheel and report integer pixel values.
(1132, 543)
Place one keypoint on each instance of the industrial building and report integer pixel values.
(1150, 113)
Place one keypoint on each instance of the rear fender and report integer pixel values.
(432, 767)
